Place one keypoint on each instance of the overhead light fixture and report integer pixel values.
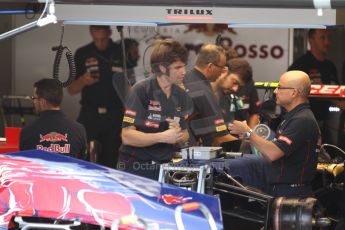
(16, 11)
(130, 14)
(277, 26)
(320, 5)
(119, 23)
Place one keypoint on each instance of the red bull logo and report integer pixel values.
(171, 199)
(55, 148)
(54, 137)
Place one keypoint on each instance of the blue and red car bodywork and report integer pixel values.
(41, 184)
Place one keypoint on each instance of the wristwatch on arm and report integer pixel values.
(248, 134)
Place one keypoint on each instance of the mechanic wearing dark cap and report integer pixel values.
(155, 112)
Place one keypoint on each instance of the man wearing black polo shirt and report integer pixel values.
(101, 110)
(155, 112)
(292, 154)
(52, 131)
(247, 93)
(207, 121)
(321, 71)
(226, 87)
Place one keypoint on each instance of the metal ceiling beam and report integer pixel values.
(112, 14)
(298, 4)
(272, 13)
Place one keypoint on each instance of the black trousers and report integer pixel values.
(106, 129)
(288, 190)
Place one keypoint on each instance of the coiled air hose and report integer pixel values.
(70, 59)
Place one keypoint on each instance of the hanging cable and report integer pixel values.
(44, 10)
(146, 71)
(124, 59)
(218, 41)
(70, 59)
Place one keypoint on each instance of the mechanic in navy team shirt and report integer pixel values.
(101, 112)
(207, 125)
(52, 131)
(292, 154)
(155, 112)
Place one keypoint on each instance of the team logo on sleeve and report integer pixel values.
(130, 112)
(285, 139)
(128, 119)
(219, 121)
(220, 128)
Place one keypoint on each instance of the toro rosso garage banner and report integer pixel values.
(265, 49)
(48, 185)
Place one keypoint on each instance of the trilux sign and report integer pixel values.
(189, 12)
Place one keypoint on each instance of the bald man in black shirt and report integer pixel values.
(292, 154)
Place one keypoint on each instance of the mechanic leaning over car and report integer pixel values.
(243, 106)
(155, 112)
(52, 131)
(292, 155)
(207, 125)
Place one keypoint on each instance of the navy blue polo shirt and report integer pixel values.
(102, 93)
(297, 136)
(147, 108)
(251, 102)
(320, 72)
(207, 119)
(54, 132)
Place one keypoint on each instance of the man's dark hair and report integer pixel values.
(241, 67)
(131, 44)
(311, 33)
(209, 53)
(50, 90)
(165, 52)
(99, 27)
(230, 53)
